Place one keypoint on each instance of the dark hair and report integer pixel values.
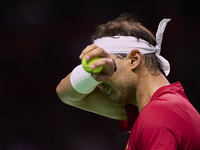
(127, 25)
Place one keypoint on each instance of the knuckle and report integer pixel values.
(104, 61)
(101, 50)
(88, 47)
(107, 61)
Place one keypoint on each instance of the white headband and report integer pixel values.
(125, 44)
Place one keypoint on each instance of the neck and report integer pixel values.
(147, 86)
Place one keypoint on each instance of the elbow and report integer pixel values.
(60, 93)
(59, 89)
(64, 93)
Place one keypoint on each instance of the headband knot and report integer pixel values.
(159, 37)
(125, 44)
(159, 34)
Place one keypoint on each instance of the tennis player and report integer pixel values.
(133, 88)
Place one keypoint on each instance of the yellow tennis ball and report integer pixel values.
(86, 65)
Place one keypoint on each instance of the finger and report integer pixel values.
(87, 50)
(98, 77)
(98, 63)
(98, 52)
(102, 62)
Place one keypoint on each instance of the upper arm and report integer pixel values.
(95, 102)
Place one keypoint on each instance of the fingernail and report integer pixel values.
(87, 57)
(92, 66)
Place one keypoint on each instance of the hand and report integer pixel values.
(106, 61)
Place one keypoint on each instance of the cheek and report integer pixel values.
(121, 84)
(125, 92)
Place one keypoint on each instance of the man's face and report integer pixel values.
(120, 86)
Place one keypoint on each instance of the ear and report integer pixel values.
(134, 58)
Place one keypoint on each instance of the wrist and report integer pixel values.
(82, 81)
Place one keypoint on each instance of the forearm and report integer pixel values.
(95, 102)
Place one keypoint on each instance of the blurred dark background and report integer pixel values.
(40, 42)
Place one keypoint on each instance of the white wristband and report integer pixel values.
(82, 81)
